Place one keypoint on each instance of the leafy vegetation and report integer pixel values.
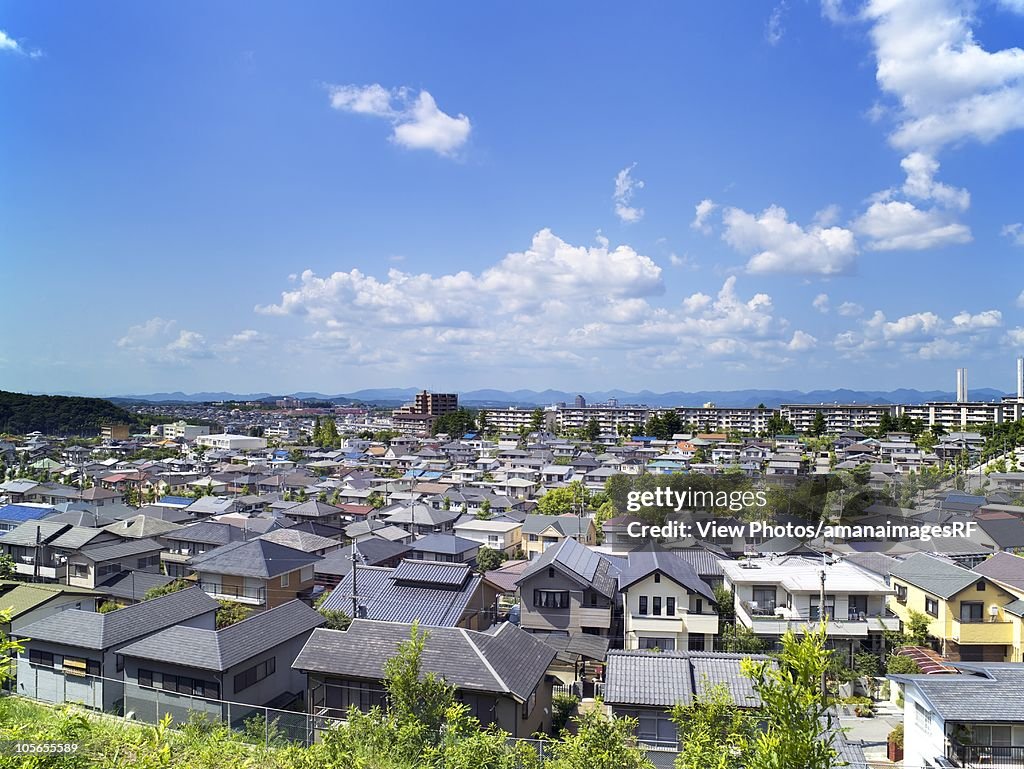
(231, 612)
(59, 414)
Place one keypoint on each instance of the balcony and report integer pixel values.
(990, 756)
(247, 595)
(982, 632)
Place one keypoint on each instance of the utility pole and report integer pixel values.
(822, 621)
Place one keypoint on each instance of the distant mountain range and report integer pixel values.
(392, 396)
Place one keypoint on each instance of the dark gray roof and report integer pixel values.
(305, 541)
(90, 518)
(256, 558)
(431, 573)
(504, 660)
(374, 551)
(876, 563)
(421, 515)
(938, 577)
(1005, 532)
(127, 549)
(383, 597)
(643, 563)
(1003, 567)
(132, 585)
(207, 533)
(705, 562)
(448, 544)
(92, 630)
(314, 508)
(223, 649)
(989, 692)
(578, 561)
(572, 647)
(664, 679)
(568, 525)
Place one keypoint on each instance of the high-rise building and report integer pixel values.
(961, 385)
(581, 402)
(436, 404)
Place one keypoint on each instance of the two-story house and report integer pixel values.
(776, 594)
(257, 573)
(569, 589)
(195, 540)
(972, 617)
(542, 531)
(665, 604)
(94, 565)
(503, 535)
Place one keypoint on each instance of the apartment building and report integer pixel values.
(711, 418)
(514, 419)
(954, 415)
(608, 417)
(839, 418)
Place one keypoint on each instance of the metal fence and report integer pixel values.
(150, 704)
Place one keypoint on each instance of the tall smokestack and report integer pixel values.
(961, 385)
(1020, 378)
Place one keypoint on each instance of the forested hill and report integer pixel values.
(58, 414)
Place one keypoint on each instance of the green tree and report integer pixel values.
(592, 431)
(915, 630)
(488, 559)
(818, 426)
(599, 741)
(336, 619)
(170, 587)
(537, 420)
(8, 649)
(739, 639)
(725, 603)
(485, 513)
(563, 500)
(231, 612)
(6, 566)
(714, 733)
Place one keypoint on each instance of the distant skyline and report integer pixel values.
(265, 197)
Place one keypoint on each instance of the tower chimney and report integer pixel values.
(961, 385)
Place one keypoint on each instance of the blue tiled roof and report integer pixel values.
(21, 513)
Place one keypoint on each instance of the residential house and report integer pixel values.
(257, 573)
(40, 549)
(972, 617)
(184, 670)
(569, 589)
(91, 566)
(502, 535)
(542, 531)
(194, 540)
(29, 603)
(665, 604)
(372, 551)
(775, 594)
(428, 592)
(305, 541)
(421, 519)
(73, 655)
(445, 548)
(500, 675)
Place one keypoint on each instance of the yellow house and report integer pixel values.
(976, 618)
(542, 531)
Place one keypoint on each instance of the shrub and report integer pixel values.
(901, 664)
(896, 735)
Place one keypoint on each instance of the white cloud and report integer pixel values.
(553, 304)
(917, 325)
(1015, 336)
(1015, 232)
(850, 309)
(684, 262)
(827, 216)
(899, 225)
(941, 349)
(773, 28)
(779, 245)
(965, 322)
(159, 340)
(417, 122)
(920, 183)
(10, 45)
(801, 342)
(702, 211)
(625, 187)
(948, 87)
(821, 303)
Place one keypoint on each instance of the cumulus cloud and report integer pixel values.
(850, 309)
(625, 187)
(801, 342)
(702, 211)
(925, 334)
(554, 303)
(161, 341)
(899, 225)
(777, 244)
(821, 303)
(964, 322)
(417, 122)
(948, 87)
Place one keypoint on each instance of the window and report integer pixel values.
(901, 593)
(306, 574)
(643, 604)
(551, 572)
(534, 538)
(40, 658)
(529, 704)
(830, 607)
(980, 587)
(662, 644)
(972, 611)
(285, 578)
(764, 597)
(670, 607)
(256, 673)
(551, 599)
(657, 606)
(593, 599)
(695, 643)
(79, 570)
(931, 606)
(107, 569)
(657, 577)
(119, 662)
(145, 677)
(699, 606)
(858, 606)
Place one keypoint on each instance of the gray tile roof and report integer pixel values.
(705, 562)
(127, 549)
(314, 508)
(256, 558)
(140, 526)
(989, 692)
(385, 598)
(421, 515)
(92, 630)
(223, 649)
(448, 544)
(1003, 567)
(1005, 532)
(643, 563)
(132, 585)
(938, 577)
(305, 541)
(568, 525)
(431, 573)
(505, 660)
(664, 679)
(207, 533)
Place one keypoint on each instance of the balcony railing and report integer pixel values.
(249, 595)
(970, 756)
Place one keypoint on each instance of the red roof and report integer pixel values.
(928, 660)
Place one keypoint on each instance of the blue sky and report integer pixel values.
(253, 196)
